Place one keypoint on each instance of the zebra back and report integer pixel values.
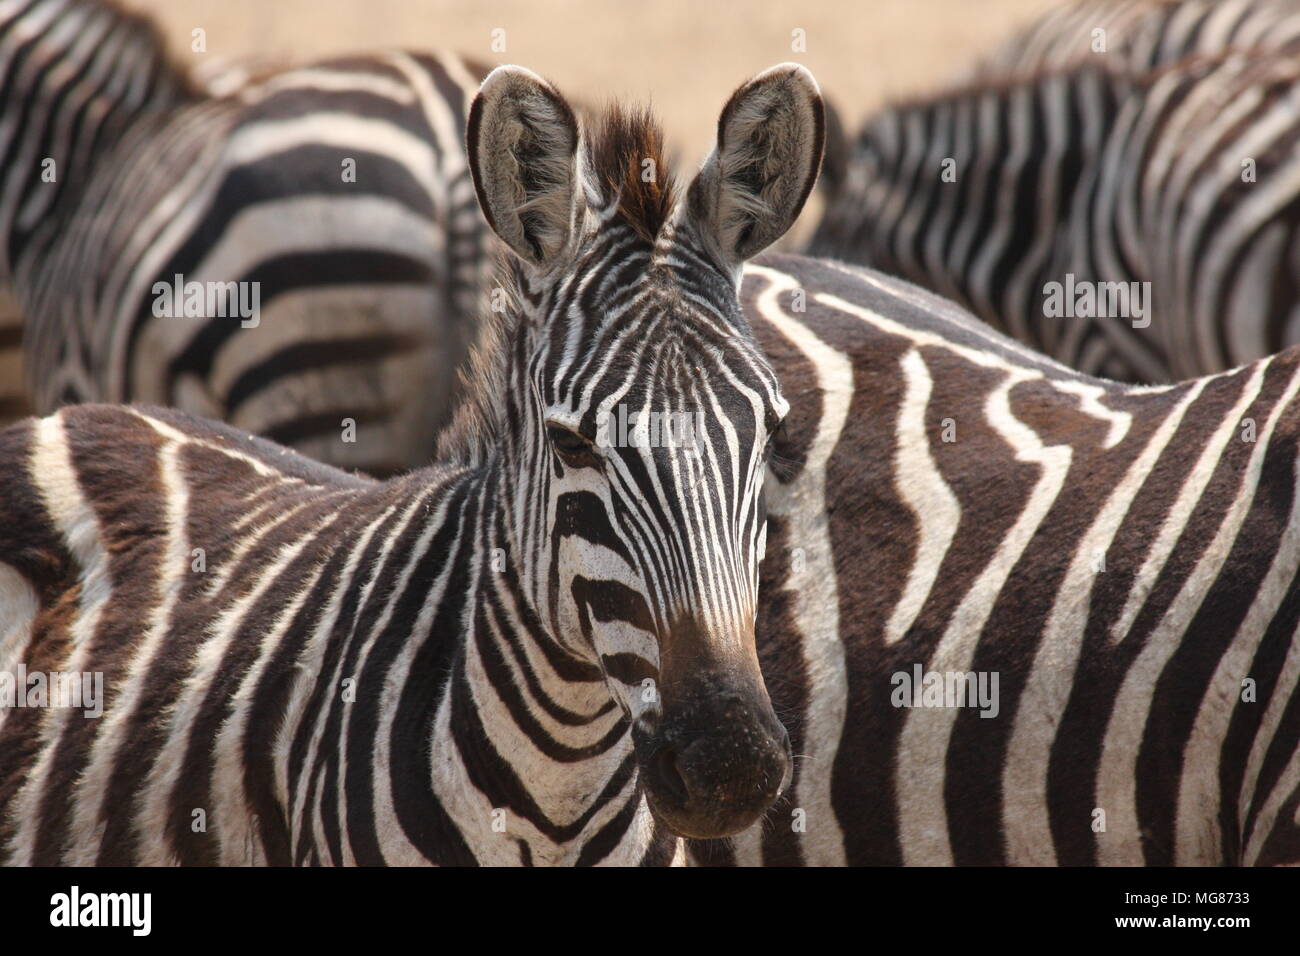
(1169, 198)
(336, 198)
(1011, 614)
(1136, 36)
(302, 257)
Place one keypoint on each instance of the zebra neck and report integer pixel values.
(503, 747)
(531, 752)
(75, 76)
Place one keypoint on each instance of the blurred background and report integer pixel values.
(684, 56)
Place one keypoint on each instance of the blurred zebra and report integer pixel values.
(1011, 614)
(1007, 192)
(540, 650)
(98, 104)
(1141, 35)
(213, 77)
(302, 258)
(13, 393)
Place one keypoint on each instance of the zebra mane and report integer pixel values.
(625, 153)
(145, 33)
(472, 433)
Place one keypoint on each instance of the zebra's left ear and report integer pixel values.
(752, 188)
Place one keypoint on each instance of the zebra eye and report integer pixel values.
(573, 449)
(782, 467)
(777, 432)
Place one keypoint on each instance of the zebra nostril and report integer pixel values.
(669, 776)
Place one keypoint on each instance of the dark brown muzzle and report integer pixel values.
(719, 757)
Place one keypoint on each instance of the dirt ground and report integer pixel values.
(685, 56)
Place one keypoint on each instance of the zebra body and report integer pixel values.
(228, 687)
(333, 200)
(1123, 558)
(538, 651)
(48, 141)
(1184, 179)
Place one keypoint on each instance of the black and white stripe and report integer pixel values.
(1122, 557)
(539, 650)
(1141, 35)
(73, 77)
(368, 283)
(1186, 177)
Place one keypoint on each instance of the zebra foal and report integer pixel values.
(537, 651)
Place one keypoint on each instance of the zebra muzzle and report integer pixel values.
(717, 761)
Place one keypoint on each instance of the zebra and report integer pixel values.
(1177, 186)
(24, 198)
(86, 43)
(1123, 560)
(301, 257)
(537, 650)
(1142, 35)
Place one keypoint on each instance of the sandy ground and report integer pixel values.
(685, 56)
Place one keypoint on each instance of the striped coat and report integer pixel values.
(1124, 559)
(1019, 196)
(333, 200)
(1136, 36)
(240, 725)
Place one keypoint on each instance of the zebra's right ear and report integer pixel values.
(522, 139)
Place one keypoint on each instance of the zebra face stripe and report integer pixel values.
(649, 468)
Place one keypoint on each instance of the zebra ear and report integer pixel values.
(770, 140)
(522, 139)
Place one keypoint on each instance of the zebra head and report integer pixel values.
(639, 413)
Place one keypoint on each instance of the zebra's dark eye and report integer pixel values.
(782, 467)
(573, 449)
(776, 433)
